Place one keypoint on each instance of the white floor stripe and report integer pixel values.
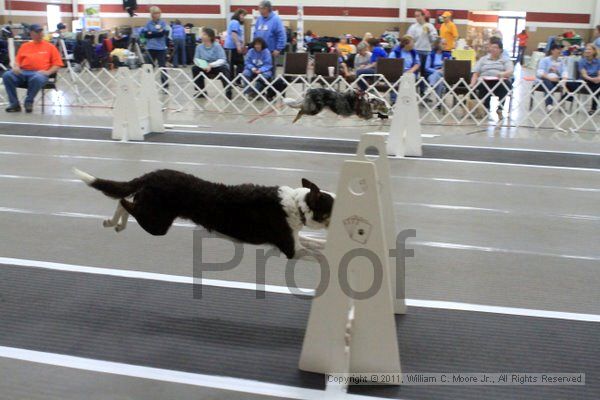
(443, 245)
(284, 290)
(305, 152)
(165, 375)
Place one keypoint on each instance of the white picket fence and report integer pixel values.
(458, 104)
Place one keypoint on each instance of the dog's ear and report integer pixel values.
(314, 194)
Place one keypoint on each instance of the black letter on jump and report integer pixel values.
(400, 253)
(200, 266)
(377, 274)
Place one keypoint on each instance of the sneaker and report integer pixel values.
(12, 109)
(549, 108)
(500, 113)
(28, 107)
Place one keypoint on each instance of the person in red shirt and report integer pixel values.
(35, 62)
(523, 38)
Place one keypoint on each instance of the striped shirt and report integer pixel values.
(487, 67)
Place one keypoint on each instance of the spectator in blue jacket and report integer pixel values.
(412, 61)
(376, 53)
(259, 66)
(210, 61)
(156, 32)
(406, 50)
(270, 28)
(551, 71)
(434, 65)
(234, 42)
(178, 33)
(589, 71)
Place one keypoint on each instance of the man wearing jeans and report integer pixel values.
(34, 63)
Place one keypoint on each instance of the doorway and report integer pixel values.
(511, 24)
(52, 16)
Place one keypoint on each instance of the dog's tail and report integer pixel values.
(293, 103)
(114, 189)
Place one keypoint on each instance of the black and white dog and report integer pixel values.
(362, 104)
(248, 213)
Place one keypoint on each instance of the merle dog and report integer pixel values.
(364, 105)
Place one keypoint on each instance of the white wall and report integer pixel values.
(550, 6)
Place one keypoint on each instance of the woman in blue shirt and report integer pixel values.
(210, 61)
(259, 66)
(157, 33)
(234, 42)
(551, 71)
(412, 61)
(434, 65)
(178, 34)
(406, 50)
(589, 69)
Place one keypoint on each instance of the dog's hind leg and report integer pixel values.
(152, 219)
(109, 223)
(298, 116)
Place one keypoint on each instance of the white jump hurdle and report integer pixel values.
(137, 112)
(405, 130)
(356, 334)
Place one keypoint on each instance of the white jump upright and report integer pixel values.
(405, 130)
(136, 111)
(351, 327)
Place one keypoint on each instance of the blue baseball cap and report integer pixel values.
(36, 28)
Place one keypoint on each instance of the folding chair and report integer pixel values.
(391, 69)
(454, 71)
(50, 85)
(323, 61)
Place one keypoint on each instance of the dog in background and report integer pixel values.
(362, 104)
(249, 213)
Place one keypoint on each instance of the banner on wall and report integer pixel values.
(91, 17)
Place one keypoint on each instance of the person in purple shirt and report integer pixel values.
(376, 53)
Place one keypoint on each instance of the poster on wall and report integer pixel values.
(91, 17)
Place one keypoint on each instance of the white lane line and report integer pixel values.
(172, 376)
(443, 245)
(199, 164)
(222, 147)
(285, 290)
(460, 146)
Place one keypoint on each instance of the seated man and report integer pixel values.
(496, 72)
(34, 63)
(210, 60)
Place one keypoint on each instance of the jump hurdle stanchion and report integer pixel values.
(351, 327)
(137, 112)
(405, 130)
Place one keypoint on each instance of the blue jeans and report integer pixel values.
(34, 81)
(434, 80)
(179, 58)
(259, 82)
(549, 86)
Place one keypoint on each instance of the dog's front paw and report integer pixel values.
(108, 223)
(119, 228)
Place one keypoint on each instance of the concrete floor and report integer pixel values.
(490, 234)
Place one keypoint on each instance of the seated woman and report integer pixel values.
(406, 50)
(259, 63)
(550, 71)
(589, 69)
(210, 61)
(496, 73)
(412, 61)
(376, 53)
(361, 60)
(435, 64)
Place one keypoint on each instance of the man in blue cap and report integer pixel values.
(35, 62)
